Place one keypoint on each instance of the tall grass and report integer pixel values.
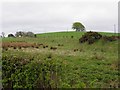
(90, 66)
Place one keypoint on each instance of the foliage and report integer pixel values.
(11, 35)
(78, 26)
(20, 34)
(111, 38)
(30, 34)
(91, 66)
(29, 72)
(92, 37)
(24, 34)
(35, 35)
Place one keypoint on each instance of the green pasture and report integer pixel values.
(92, 66)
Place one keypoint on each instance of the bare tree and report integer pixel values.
(3, 34)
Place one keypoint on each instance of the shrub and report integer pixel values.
(35, 35)
(90, 37)
(20, 72)
(11, 35)
(109, 38)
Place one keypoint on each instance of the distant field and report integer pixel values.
(60, 61)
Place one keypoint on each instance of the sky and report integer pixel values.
(58, 15)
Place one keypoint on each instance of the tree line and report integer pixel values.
(76, 26)
(20, 34)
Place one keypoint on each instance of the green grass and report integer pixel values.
(93, 66)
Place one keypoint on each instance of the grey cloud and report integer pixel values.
(56, 16)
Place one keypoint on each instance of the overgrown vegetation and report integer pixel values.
(92, 37)
(58, 60)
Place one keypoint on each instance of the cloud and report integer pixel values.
(56, 16)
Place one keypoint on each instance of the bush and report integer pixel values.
(27, 72)
(30, 34)
(110, 38)
(90, 37)
(11, 35)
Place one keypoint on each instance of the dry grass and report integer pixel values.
(19, 45)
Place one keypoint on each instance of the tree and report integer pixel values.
(20, 34)
(78, 26)
(24, 34)
(11, 35)
(3, 34)
(30, 34)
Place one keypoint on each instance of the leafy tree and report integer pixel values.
(30, 34)
(20, 34)
(78, 26)
(11, 35)
(24, 34)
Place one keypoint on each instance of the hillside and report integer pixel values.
(58, 60)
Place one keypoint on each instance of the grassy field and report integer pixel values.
(70, 65)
